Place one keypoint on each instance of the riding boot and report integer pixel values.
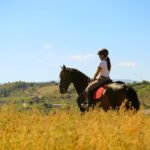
(89, 98)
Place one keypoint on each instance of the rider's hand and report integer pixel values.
(94, 78)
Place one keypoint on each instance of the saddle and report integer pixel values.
(99, 92)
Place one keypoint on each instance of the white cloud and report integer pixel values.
(47, 46)
(82, 57)
(127, 64)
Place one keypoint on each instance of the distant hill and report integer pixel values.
(124, 80)
(49, 92)
(143, 91)
(23, 88)
(44, 96)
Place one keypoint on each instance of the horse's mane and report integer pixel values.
(79, 73)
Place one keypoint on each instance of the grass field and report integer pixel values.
(69, 130)
(28, 122)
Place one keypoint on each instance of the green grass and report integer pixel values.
(26, 96)
(43, 95)
(143, 91)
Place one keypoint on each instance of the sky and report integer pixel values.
(37, 37)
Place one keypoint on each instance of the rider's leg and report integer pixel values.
(89, 91)
(93, 86)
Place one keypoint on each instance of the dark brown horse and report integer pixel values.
(115, 95)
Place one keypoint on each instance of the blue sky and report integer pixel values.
(39, 36)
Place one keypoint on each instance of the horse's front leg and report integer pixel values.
(81, 101)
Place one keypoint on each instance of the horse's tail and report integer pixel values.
(133, 98)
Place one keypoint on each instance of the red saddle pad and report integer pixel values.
(99, 92)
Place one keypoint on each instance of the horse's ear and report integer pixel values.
(63, 67)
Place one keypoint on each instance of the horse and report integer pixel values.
(114, 94)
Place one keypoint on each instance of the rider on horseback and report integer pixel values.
(101, 75)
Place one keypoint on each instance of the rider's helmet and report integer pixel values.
(103, 51)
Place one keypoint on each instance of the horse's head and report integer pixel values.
(65, 79)
(71, 75)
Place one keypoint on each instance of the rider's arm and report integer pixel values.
(97, 72)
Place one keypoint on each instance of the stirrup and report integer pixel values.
(85, 106)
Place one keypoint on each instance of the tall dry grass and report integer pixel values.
(69, 130)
